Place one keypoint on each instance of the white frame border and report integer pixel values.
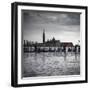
(55, 78)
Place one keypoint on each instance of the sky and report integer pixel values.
(62, 26)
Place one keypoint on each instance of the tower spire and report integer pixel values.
(43, 35)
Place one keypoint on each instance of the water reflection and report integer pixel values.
(51, 63)
(52, 54)
(43, 55)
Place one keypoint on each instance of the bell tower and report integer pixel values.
(43, 36)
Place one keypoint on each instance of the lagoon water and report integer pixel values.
(50, 64)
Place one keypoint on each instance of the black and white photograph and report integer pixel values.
(49, 44)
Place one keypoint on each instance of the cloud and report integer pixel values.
(51, 17)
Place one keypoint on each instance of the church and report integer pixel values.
(51, 45)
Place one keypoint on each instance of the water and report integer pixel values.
(50, 64)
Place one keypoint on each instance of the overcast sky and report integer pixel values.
(63, 26)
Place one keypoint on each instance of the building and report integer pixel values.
(51, 45)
